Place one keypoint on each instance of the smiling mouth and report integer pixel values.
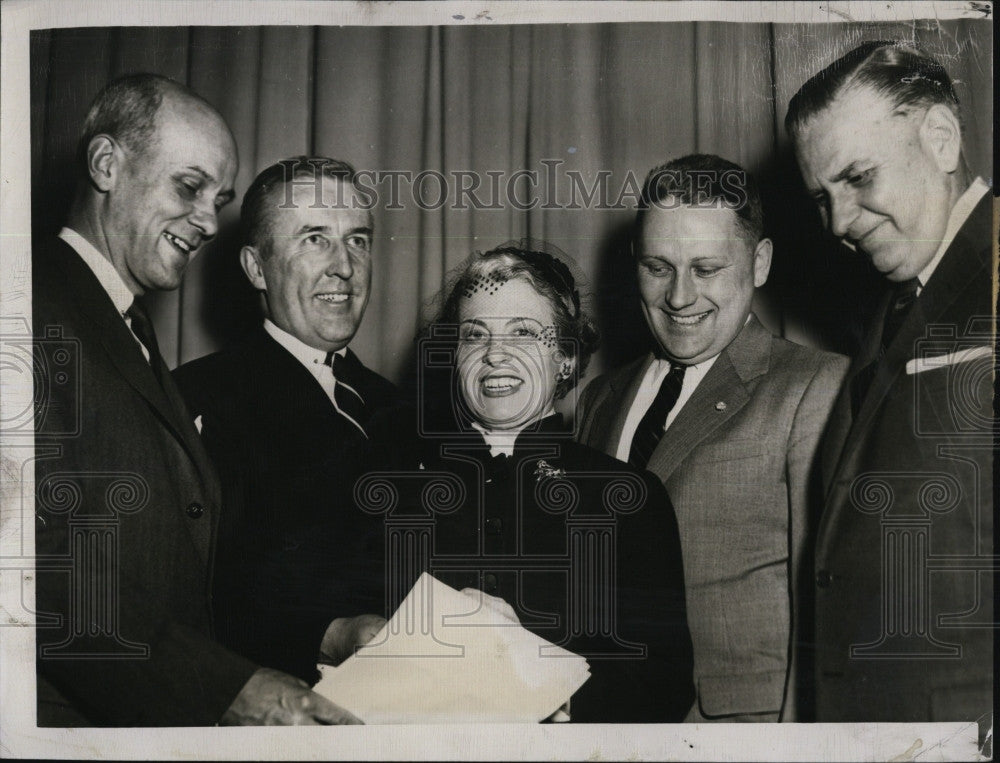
(333, 298)
(688, 320)
(179, 243)
(867, 239)
(500, 386)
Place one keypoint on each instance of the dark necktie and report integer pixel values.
(903, 297)
(904, 294)
(650, 429)
(345, 391)
(142, 327)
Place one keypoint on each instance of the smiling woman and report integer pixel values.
(523, 340)
(584, 548)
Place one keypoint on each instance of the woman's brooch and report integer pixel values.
(545, 469)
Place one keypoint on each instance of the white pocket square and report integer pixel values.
(919, 365)
(197, 424)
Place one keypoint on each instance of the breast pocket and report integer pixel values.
(730, 450)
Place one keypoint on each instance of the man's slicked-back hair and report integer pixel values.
(898, 71)
(706, 181)
(126, 111)
(255, 215)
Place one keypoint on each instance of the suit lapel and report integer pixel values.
(729, 382)
(838, 428)
(279, 372)
(164, 399)
(964, 264)
(191, 439)
(610, 414)
(842, 418)
(377, 391)
(123, 351)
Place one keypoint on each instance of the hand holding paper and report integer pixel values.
(451, 657)
(273, 698)
(345, 634)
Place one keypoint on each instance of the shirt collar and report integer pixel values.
(102, 268)
(502, 442)
(959, 214)
(308, 356)
(694, 368)
(692, 374)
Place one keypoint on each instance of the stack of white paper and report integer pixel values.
(450, 657)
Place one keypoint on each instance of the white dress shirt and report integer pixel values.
(649, 387)
(107, 276)
(959, 214)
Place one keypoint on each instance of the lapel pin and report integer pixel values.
(721, 405)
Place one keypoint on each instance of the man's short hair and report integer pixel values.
(899, 71)
(254, 212)
(705, 180)
(126, 111)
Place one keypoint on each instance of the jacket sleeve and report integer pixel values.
(653, 601)
(184, 678)
(124, 631)
(122, 651)
(654, 685)
(804, 506)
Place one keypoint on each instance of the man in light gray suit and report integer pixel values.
(730, 418)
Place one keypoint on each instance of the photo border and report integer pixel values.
(21, 738)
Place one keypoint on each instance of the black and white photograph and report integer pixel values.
(517, 380)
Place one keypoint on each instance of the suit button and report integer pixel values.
(490, 582)
(494, 526)
(194, 510)
(824, 578)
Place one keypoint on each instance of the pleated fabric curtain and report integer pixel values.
(468, 101)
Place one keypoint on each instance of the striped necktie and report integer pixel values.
(346, 397)
(650, 429)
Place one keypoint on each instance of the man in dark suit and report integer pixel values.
(730, 418)
(126, 499)
(285, 417)
(904, 559)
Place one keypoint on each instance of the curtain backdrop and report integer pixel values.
(581, 98)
